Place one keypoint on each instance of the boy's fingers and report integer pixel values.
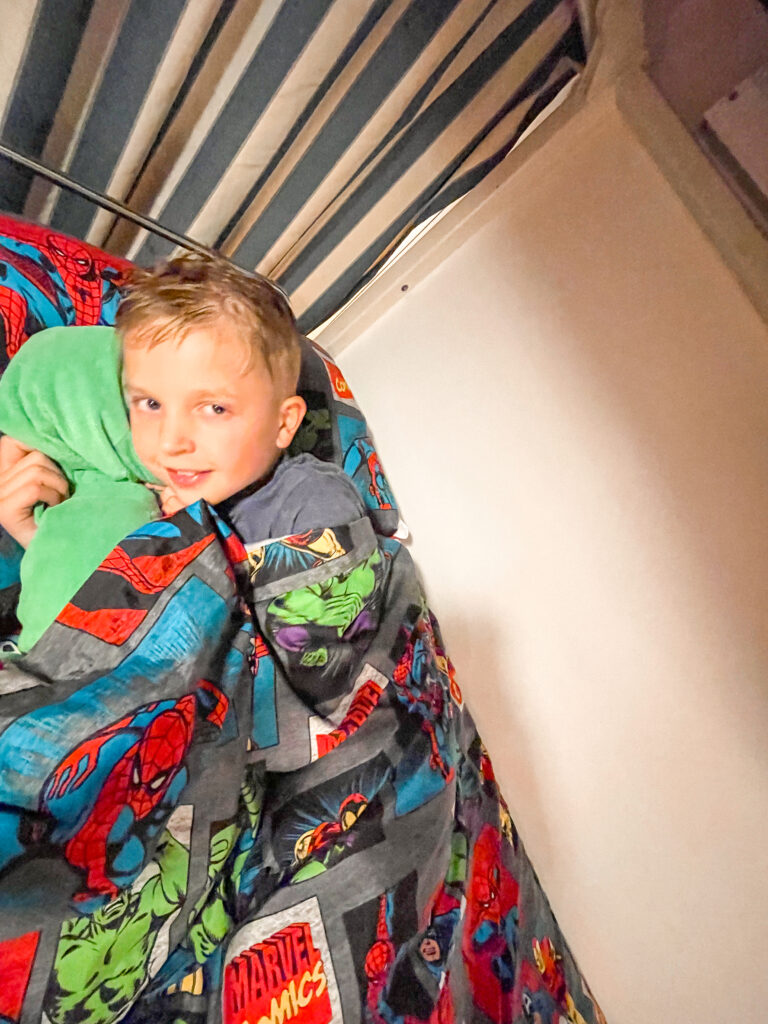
(33, 468)
(26, 489)
(11, 451)
(15, 459)
(23, 487)
(169, 502)
(30, 494)
(27, 477)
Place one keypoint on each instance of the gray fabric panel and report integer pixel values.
(395, 56)
(412, 109)
(56, 35)
(433, 197)
(143, 39)
(294, 25)
(58, 29)
(539, 84)
(224, 11)
(416, 139)
(467, 181)
(363, 30)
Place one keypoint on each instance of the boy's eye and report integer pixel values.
(216, 409)
(147, 404)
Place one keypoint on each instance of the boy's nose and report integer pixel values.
(175, 437)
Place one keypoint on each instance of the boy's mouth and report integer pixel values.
(187, 477)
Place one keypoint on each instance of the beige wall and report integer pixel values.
(573, 411)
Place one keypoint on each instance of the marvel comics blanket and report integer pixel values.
(242, 786)
(270, 809)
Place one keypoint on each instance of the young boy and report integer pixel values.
(360, 749)
(211, 359)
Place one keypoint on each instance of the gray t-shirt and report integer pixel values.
(302, 494)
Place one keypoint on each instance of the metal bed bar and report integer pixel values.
(105, 202)
(115, 206)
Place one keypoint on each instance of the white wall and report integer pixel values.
(573, 410)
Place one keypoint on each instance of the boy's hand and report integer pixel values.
(27, 477)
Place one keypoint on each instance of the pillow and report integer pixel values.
(335, 430)
(48, 280)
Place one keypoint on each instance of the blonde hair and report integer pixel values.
(195, 290)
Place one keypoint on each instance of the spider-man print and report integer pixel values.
(145, 576)
(378, 484)
(62, 281)
(13, 316)
(421, 688)
(80, 274)
(135, 787)
(403, 982)
(17, 958)
(490, 936)
(136, 768)
(362, 463)
(379, 958)
(29, 264)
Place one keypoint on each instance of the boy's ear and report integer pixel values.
(291, 414)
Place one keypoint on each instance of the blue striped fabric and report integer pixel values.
(39, 83)
(301, 138)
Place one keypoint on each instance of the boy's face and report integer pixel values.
(202, 421)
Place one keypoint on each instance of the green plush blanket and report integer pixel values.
(62, 395)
